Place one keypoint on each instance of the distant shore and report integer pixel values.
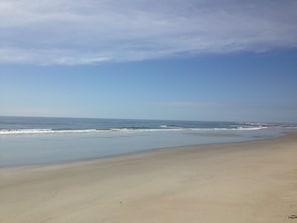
(242, 182)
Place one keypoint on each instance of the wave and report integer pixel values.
(230, 129)
(52, 131)
(42, 131)
(162, 128)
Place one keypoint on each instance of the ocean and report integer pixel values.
(40, 140)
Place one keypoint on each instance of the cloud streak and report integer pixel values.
(89, 31)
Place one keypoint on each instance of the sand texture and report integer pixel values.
(249, 182)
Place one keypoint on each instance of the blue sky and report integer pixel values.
(187, 60)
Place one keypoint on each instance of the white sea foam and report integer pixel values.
(40, 131)
(229, 129)
(126, 130)
(51, 131)
(252, 128)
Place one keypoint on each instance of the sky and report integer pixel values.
(171, 59)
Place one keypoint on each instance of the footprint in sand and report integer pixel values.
(293, 216)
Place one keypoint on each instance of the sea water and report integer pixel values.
(39, 140)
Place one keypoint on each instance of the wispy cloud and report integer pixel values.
(92, 31)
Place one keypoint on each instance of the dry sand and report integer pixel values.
(237, 182)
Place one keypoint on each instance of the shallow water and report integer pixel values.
(23, 149)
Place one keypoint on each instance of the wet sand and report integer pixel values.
(234, 182)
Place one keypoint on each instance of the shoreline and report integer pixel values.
(74, 161)
(252, 181)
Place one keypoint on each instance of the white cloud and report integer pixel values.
(48, 57)
(91, 31)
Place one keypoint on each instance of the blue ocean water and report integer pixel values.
(39, 140)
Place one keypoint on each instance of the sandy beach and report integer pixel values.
(247, 182)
